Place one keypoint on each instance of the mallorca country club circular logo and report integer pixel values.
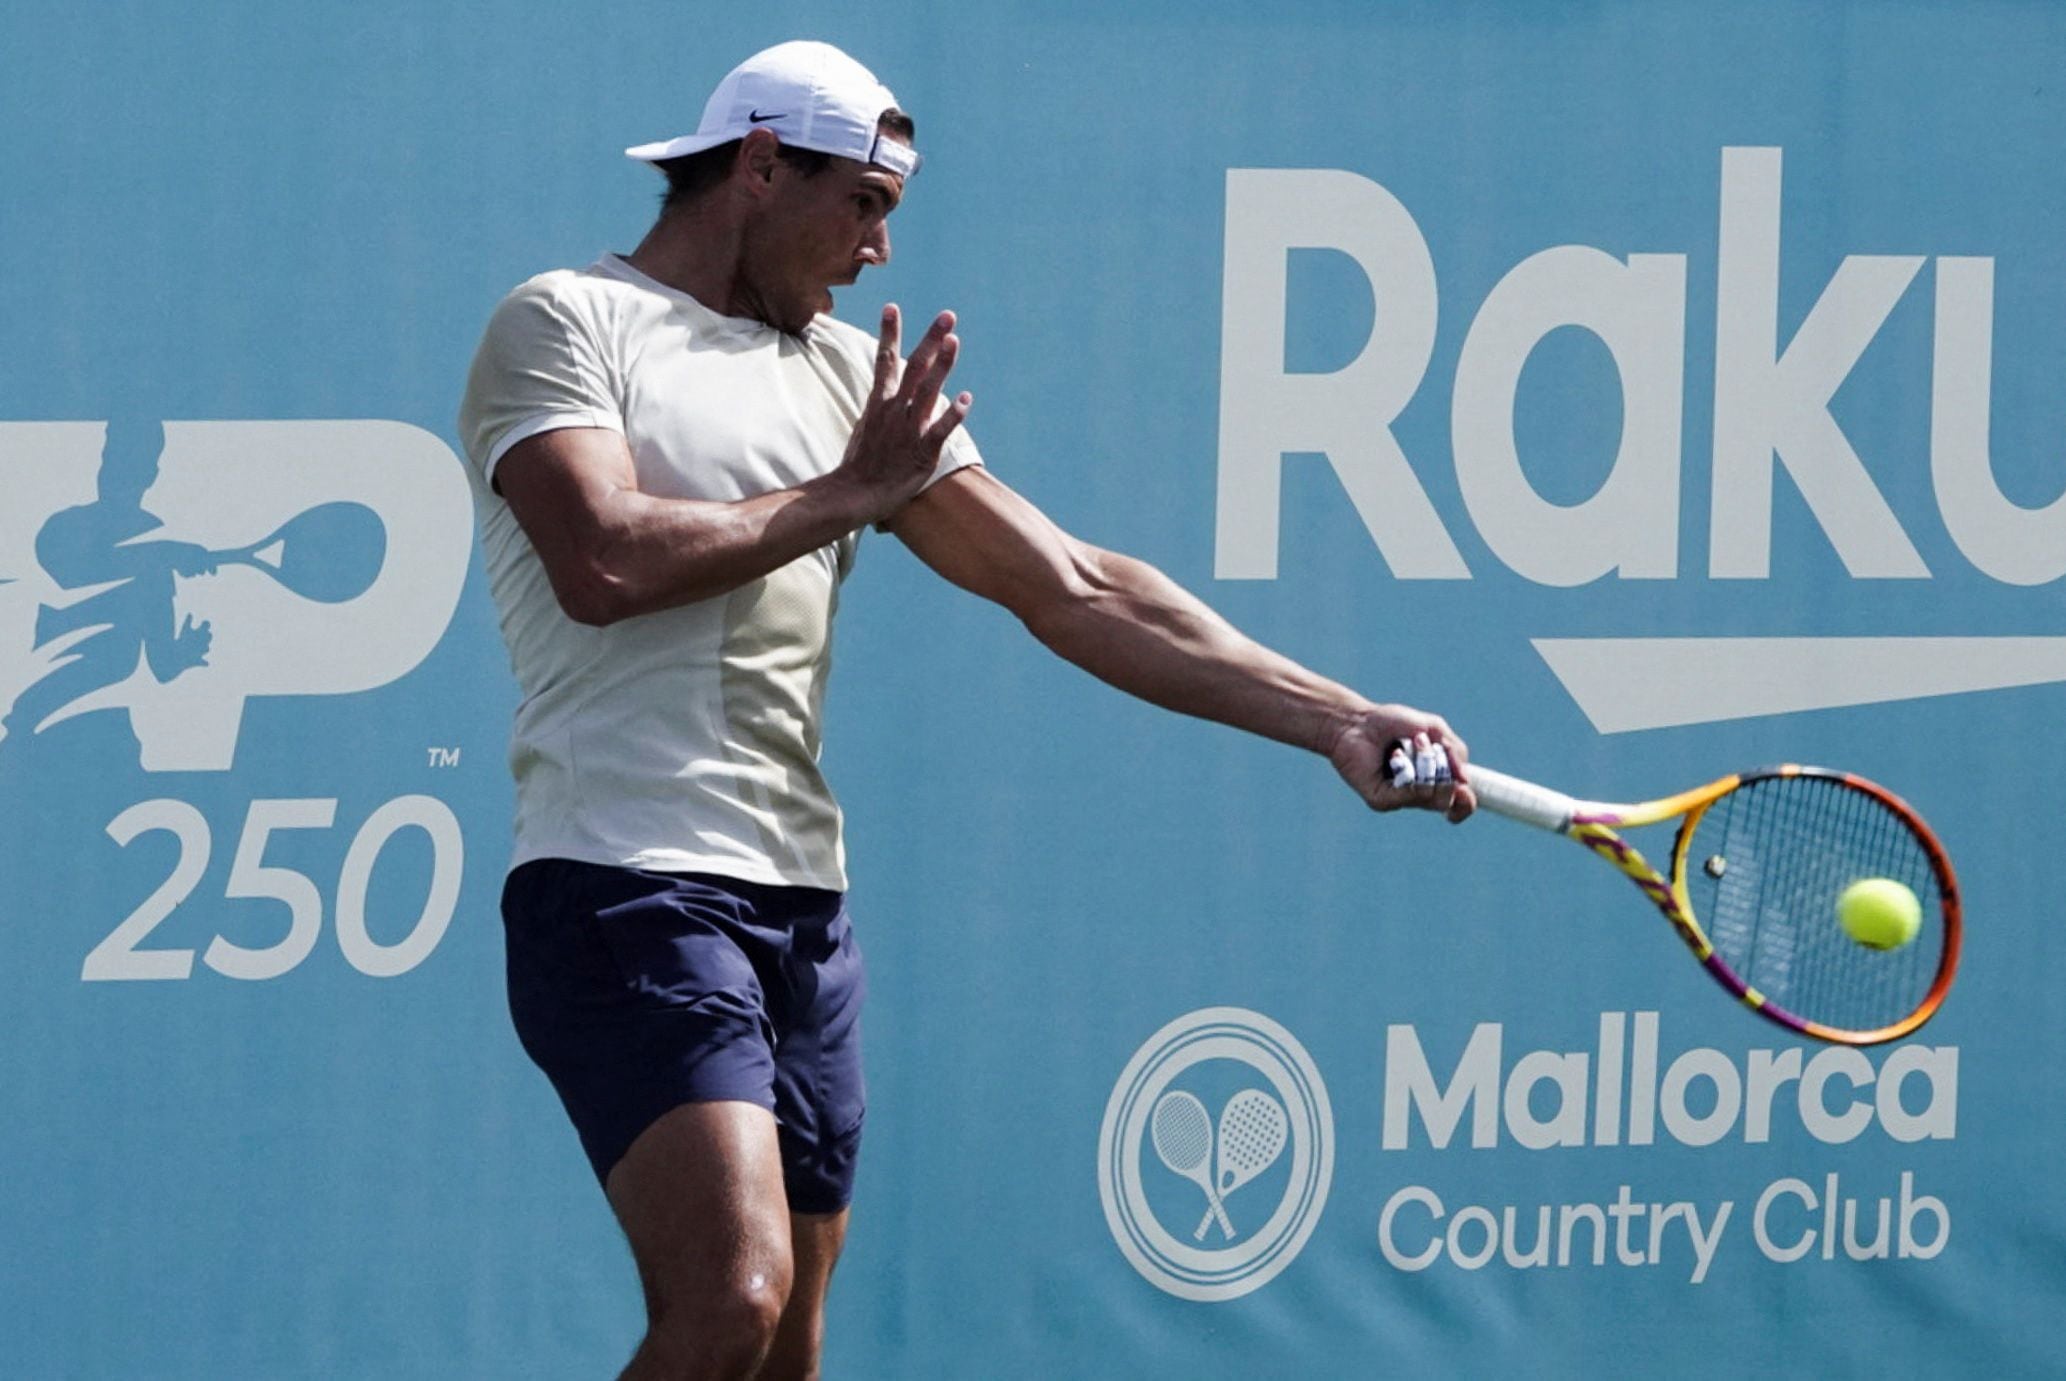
(1215, 1112)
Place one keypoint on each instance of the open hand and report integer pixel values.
(189, 648)
(896, 444)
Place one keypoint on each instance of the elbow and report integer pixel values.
(592, 596)
(1057, 612)
(591, 613)
(1052, 620)
(1048, 625)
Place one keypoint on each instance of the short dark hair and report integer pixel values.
(693, 174)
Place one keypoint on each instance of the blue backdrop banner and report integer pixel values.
(1654, 389)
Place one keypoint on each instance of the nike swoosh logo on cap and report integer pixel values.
(757, 118)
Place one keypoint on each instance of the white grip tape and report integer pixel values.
(1523, 801)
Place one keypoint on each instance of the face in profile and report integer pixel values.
(819, 231)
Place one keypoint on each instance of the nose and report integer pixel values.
(875, 245)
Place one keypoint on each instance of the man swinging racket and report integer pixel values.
(678, 452)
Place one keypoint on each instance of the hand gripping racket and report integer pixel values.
(1763, 856)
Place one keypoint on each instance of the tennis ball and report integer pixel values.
(1879, 913)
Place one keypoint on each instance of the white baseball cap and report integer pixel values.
(810, 94)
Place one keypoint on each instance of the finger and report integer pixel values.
(950, 417)
(925, 393)
(1459, 757)
(887, 348)
(1427, 769)
(1459, 754)
(1385, 799)
(1462, 804)
(926, 357)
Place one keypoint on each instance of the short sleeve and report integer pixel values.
(540, 368)
(958, 454)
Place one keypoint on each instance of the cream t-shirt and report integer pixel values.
(685, 740)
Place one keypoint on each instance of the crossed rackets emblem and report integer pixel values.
(1252, 1133)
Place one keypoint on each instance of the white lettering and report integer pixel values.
(1938, 1121)
(1713, 1066)
(1638, 310)
(1607, 1104)
(1704, 1244)
(1623, 1210)
(1771, 402)
(1768, 1074)
(1410, 1085)
(1800, 1247)
(1266, 412)
(1475, 1234)
(1567, 1098)
(1642, 1081)
(1853, 1248)
(1538, 1255)
(1822, 1124)
(1418, 1261)
(1571, 1215)
(1564, 1127)
(1472, 1260)
(1913, 1207)
(1768, 403)
(2015, 545)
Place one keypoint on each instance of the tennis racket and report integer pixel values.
(1182, 1130)
(331, 553)
(1253, 1130)
(1762, 857)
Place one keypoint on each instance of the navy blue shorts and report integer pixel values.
(637, 992)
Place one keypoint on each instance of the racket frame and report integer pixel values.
(1595, 824)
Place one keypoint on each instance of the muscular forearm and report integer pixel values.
(645, 553)
(1127, 623)
(1138, 630)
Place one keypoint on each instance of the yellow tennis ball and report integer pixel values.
(1879, 913)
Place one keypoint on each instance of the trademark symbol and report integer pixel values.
(444, 757)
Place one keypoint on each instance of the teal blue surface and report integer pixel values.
(252, 212)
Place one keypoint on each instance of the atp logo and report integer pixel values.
(1212, 1205)
(175, 570)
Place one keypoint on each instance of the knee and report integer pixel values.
(727, 1332)
(749, 1309)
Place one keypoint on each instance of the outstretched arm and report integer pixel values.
(1128, 624)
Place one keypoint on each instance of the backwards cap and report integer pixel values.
(810, 94)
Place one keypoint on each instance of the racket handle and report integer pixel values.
(1521, 800)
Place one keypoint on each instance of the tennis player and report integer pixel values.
(677, 451)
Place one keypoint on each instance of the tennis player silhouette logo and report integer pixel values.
(123, 575)
(1258, 1171)
(1251, 1135)
(214, 561)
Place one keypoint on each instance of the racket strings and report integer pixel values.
(1784, 848)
